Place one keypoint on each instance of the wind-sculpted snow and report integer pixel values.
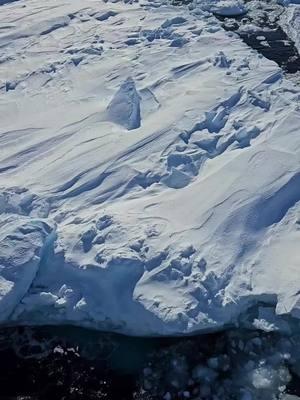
(124, 109)
(149, 170)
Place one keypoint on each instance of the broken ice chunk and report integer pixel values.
(124, 108)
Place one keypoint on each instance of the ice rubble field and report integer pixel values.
(149, 170)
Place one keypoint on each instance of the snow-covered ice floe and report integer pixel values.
(229, 8)
(290, 21)
(149, 170)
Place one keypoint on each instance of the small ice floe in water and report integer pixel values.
(124, 108)
(229, 8)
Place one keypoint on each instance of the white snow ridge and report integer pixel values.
(149, 170)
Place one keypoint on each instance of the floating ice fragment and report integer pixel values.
(229, 8)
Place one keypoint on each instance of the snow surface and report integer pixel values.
(149, 170)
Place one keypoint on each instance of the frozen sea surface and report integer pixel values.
(149, 170)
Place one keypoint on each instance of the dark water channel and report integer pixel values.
(259, 28)
(55, 363)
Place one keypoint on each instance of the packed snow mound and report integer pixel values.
(184, 224)
(124, 109)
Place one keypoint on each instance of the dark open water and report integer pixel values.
(268, 38)
(55, 363)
